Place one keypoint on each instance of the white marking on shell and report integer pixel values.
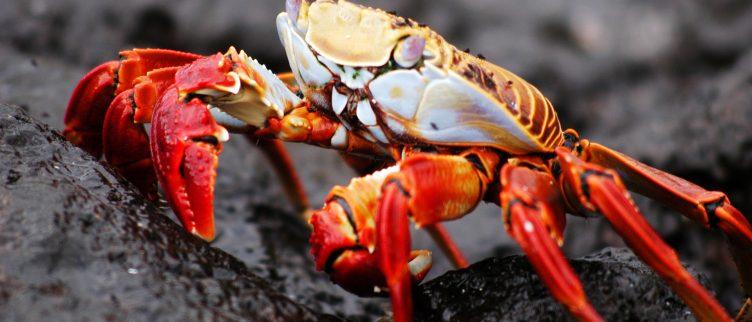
(378, 133)
(431, 72)
(333, 67)
(452, 111)
(355, 78)
(339, 139)
(365, 113)
(399, 92)
(235, 87)
(308, 71)
(283, 31)
(394, 125)
(339, 101)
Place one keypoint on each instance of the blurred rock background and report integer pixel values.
(667, 83)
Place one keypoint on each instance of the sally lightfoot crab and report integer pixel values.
(433, 129)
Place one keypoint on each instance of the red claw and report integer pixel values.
(337, 250)
(126, 146)
(185, 145)
(212, 72)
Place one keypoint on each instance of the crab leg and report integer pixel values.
(126, 145)
(124, 140)
(344, 232)
(87, 107)
(275, 152)
(533, 216)
(419, 191)
(438, 233)
(393, 248)
(709, 208)
(441, 237)
(597, 189)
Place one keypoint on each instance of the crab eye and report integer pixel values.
(292, 7)
(409, 51)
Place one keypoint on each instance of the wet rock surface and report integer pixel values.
(619, 286)
(78, 243)
(667, 83)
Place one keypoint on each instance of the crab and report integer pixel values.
(433, 130)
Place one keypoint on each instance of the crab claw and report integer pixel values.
(337, 250)
(185, 145)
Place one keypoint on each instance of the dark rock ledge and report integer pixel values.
(77, 243)
(618, 285)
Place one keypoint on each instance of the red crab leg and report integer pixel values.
(441, 237)
(601, 190)
(87, 107)
(531, 222)
(126, 145)
(439, 234)
(393, 248)
(137, 62)
(342, 241)
(709, 208)
(275, 152)
(185, 144)
(125, 142)
(419, 190)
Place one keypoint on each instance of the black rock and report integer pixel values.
(254, 221)
(619, 286)
(77, 243)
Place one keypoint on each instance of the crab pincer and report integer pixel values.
(186, 142)
(185, 146)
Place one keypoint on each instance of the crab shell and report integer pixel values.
(395, 81)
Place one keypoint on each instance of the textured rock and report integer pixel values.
(665, 82)
(76, 242)
(254, 222)
(619, 286)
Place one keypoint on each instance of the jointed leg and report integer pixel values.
(344, 237)
(277, 155)
(417, 188)
(531, 217)
(421, 190)
(85, 114)
(442, 238)
(709, 208)
(599, 190)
